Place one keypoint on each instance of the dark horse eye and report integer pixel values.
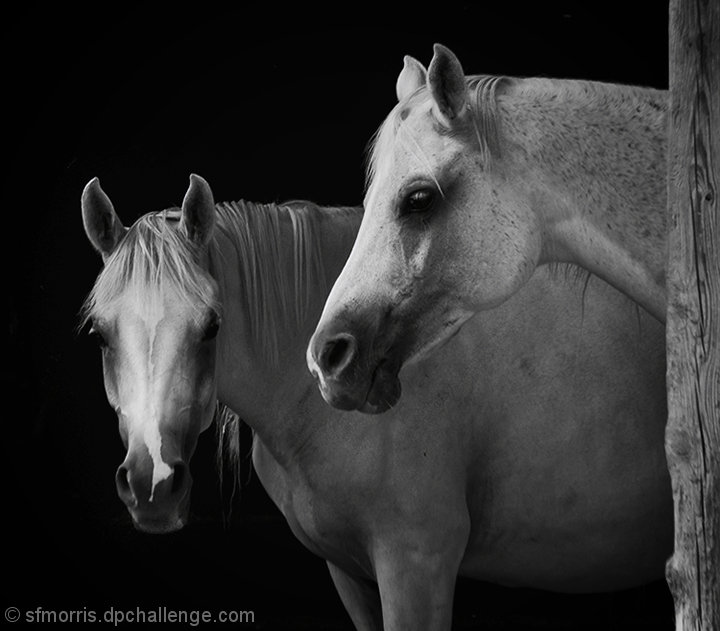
(211, 330)
(419, 200)
(98, 337)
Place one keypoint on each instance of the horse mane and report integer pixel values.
(484, 116)
(228, 454)
(277, 302)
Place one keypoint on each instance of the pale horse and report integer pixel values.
(527, 451)
(473, 183)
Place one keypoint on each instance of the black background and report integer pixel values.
(267, 103)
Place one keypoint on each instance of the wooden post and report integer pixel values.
(693, 322)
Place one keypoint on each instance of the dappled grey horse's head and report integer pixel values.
(446, 232)
(155, 312)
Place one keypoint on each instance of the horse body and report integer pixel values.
(474, 183)
(527, 451)
(540, 480)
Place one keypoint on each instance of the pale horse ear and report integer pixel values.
(412, 77)
(102, 225)
(198, 211)
(447, 84)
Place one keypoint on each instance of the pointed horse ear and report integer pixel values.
(102, 225)
(447, 84)
(198, 211)
(412, 77)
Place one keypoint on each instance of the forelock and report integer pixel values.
(154, 256)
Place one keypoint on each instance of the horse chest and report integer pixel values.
(317, 521)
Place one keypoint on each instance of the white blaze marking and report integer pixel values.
(144, 386)
(151, 431)
(161, 470)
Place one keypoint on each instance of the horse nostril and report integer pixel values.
(122, 481)
(335, 351)
(337, 354)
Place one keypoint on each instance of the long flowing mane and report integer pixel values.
(275, 301)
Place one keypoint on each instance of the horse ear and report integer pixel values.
(447, 84)
(198, 211)
(411, 77)
(102, 225)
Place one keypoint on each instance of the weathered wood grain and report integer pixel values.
(693, 322)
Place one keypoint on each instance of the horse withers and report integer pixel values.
(528, 451)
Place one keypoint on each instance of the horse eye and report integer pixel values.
(419, 200)
(98, 337)
(211, 330)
